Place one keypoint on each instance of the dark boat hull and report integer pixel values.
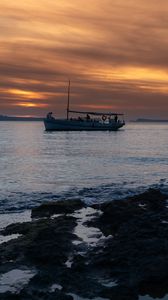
(75, 125)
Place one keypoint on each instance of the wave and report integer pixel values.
(18, 201)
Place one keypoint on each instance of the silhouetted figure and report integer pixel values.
(116, 118)
(50, 116)
(87, 117)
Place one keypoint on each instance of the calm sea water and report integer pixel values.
(93, 166)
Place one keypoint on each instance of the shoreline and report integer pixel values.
(114, 250)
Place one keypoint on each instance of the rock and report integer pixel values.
(57, 207)
(36, 295)
(138, 252)
(47, 241)
(121, 293)
(51, 244)
(134, 252)
(118, 212)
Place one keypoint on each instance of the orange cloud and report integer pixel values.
(26, 94)
(30, 104)
(112, 59)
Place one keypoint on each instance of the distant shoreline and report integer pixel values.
(150, 121)
(7, 118)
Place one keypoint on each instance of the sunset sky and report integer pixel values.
(115, 52)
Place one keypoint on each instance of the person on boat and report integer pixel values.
(87, 117)
(50, 116)
(116, 118)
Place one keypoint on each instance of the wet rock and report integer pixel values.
(121, 293)
(134, 253)
(36, 295)
(47, 241)
(57, 207)
(119, 212)
(138, 252)
(9, 296)
(157, 289)
(21, 228)
(43, 295)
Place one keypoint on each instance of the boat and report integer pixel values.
(84, 120)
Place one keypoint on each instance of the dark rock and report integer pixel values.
(57, 207)
(119, 212)
(21, 228)
(47, 241)
(121, 293)
(135, 255)
(138, 252)
(9, 296)
(158, 289)
(44, 295)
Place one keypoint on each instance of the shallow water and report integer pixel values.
(88, 235)
(5, 220)
(4, 239)
(10, 218)
(94, 166)
(14, 280)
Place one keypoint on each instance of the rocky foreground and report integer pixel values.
(116, 250)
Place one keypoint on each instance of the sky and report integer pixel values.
(115, 52)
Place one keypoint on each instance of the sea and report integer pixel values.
(38, 166)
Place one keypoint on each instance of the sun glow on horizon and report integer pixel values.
(31, 104)
(26, 94)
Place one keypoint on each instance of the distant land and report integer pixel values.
(151, 120)
(9, 118)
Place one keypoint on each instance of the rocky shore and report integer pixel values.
(116, 250)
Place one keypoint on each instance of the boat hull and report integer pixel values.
(75, 125)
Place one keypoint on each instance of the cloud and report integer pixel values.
(115, 53)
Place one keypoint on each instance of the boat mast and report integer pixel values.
(68, 100)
